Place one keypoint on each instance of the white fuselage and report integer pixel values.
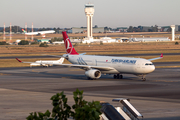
(46, 63)
(121, 65)
(40, 32)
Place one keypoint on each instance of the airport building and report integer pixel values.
(145, 28)
(84, 30)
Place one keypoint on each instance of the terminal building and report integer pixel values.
(84, 30)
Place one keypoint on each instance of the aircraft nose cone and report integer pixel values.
(152, 68)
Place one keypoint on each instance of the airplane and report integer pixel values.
(95, 65)
(44, 63)
(38, 32)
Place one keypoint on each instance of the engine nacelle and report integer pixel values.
(93, 73)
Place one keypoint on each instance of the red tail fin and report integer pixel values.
(68, 45)
(161, 55)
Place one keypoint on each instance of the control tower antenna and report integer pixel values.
(89, 11)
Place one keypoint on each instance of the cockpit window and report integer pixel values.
(148, 64)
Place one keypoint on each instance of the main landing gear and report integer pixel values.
(118, 76)
(91, 78)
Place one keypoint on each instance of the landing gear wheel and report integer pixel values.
(89, 78)
(121, 76)
(115, 76)
(118, 76)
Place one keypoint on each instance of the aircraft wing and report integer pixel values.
(60, 61)
(23, 62)
(55, 55)
(82, 53)
(156, 58)
(85, 67)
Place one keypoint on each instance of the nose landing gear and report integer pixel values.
(143, 77)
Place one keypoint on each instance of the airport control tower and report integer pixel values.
(89, 11)
(173, 31)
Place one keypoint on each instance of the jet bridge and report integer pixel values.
(127, 112)
(110, 113)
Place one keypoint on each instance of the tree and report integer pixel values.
(95, 26)
(61, 110)
(130, 29)
(23, 42)
(56, 39)
(43, 45)
(155, 28)
(14, 29)
(3, 43)
(83, 110)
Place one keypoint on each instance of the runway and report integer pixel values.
(24, 90)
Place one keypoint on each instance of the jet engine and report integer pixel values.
(93, 73)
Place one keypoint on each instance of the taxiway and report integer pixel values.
(25, 90)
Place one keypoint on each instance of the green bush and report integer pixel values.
(56, 39)
(40, 116)
(61, 110)
(23, 42)
(83, 110)
(43, 45)
(34, 43)
(76, 44)
(176, 43)
(3, 43)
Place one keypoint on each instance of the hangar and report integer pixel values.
(84, 30)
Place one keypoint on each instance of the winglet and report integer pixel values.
(161, 55)
(18, 60)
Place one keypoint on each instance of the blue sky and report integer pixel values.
(70, 13)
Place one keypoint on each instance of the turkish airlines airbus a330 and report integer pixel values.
(94, 65)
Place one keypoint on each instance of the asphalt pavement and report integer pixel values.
(25, 90)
